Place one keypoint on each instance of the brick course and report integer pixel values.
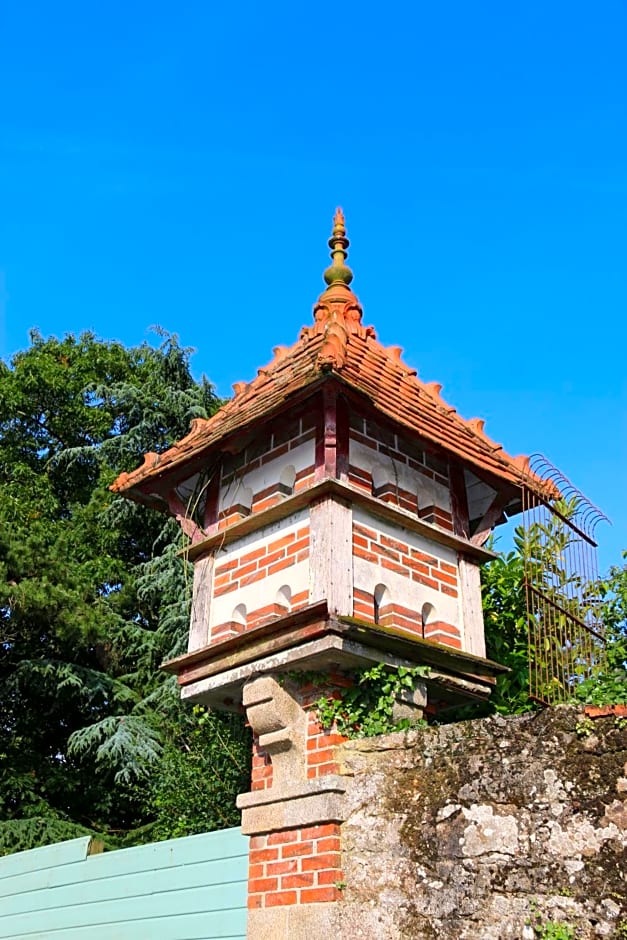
(284, 437)
(295, 866)
(397, 556)
(283, 552)
(260, 616)
(393, 445)
(423, 462)
(301, 865)
(395, 615)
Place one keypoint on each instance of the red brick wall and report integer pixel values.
(271, 443)
(392, 554)
(258, 617)
(363, 604)
(261, 771)
(414, 455)
(300, 865)
(295, 866)
(441, 632)
(395, 615)
(419, 456)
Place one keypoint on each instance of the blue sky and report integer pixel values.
(180, 164)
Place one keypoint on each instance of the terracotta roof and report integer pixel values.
(338, 344)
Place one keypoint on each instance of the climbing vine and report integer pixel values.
(366, 708)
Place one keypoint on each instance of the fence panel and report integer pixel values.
(183, 889)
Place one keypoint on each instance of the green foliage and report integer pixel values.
(565, 603)
(544, 547)
(505, 617)
(92, 594)
(365, 708)
(34, 831)
(205, 762)
(549, 929)
(555, 930)
(610, 685)
(584, 727)
(126, 742)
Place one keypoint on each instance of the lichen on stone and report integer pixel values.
(461, 831)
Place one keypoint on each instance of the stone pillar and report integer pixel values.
(292, 814)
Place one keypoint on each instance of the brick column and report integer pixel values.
(293, 812)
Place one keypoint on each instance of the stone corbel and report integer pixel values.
(281, 725)
(293, 800)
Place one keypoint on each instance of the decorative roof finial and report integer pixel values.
(338, 272)
(337, 312)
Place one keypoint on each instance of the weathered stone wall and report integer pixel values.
(483, 828)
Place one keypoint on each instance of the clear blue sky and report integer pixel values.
(179, 164)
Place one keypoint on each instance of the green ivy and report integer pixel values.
(554, 930)
(549, 929)
(365, 708)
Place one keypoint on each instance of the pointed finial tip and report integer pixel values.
(339, 272)
(337, 306)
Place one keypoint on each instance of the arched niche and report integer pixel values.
(287, 480)
(283, 597)
(382, 600)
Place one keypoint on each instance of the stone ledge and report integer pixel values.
(296, 922)
(346, 644)
(304, 809)
(330, 783)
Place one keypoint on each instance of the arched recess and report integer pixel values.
(284, 597)
(238, 616)
(380, 479)
(287, 480)
(239, 503)
(428, 616)
(382, 600)
(244, 499)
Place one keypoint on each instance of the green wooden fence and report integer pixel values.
(184, 889)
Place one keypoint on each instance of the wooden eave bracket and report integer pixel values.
(490, 518)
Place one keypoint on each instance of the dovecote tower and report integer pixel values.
(337, 510)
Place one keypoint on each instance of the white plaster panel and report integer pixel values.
(406, 591)
(400, 474)
(247, 543)
(268, 474)
(261, 593)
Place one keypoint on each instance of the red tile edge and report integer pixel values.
(601, 711)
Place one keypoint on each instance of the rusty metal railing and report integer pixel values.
(557, 543)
